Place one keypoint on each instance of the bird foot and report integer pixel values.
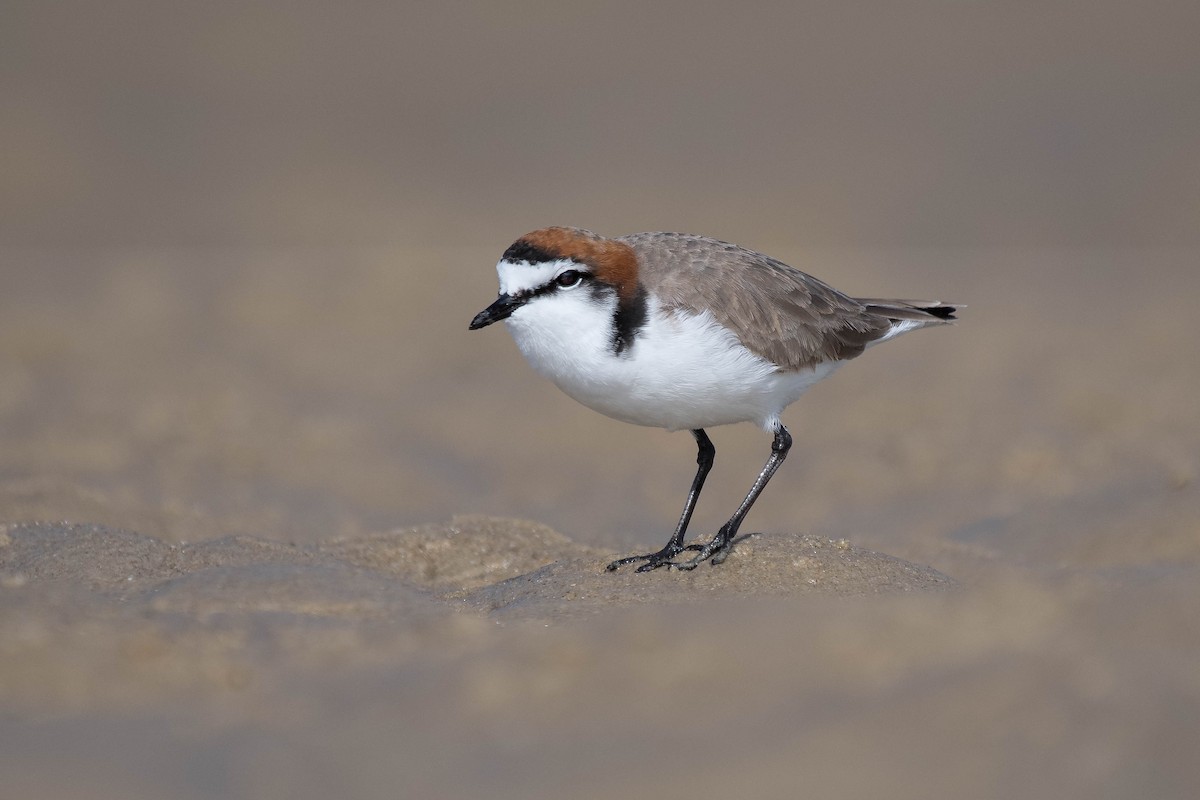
(653, 560)
(718, 550)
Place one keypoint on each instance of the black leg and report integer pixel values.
(705, 455)
(718, 548)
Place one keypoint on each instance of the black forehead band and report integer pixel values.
(522, 250)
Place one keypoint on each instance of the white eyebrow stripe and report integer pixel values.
(521, 276)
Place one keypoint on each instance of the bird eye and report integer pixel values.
(568, 279)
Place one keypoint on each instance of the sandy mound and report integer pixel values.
(760, 564)
(496, 566)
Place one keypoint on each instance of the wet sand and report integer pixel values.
(262, 539)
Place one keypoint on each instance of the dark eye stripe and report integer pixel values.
(574, 278)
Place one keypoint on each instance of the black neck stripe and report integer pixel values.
(628, 319)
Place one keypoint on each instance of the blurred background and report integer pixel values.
(925, 123)
(240, 244)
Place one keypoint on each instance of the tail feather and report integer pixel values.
(930, 312)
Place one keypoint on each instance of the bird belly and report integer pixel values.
(684, 371)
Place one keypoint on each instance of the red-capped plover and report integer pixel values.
(681, 332)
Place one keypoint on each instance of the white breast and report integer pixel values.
(684, 370)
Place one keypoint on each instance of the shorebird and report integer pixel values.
(676, 331)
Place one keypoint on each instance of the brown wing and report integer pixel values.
(777, 311)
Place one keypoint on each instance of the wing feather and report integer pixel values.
(784, 315)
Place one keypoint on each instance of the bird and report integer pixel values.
(685, 332)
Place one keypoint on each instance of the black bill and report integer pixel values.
(504, 306)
